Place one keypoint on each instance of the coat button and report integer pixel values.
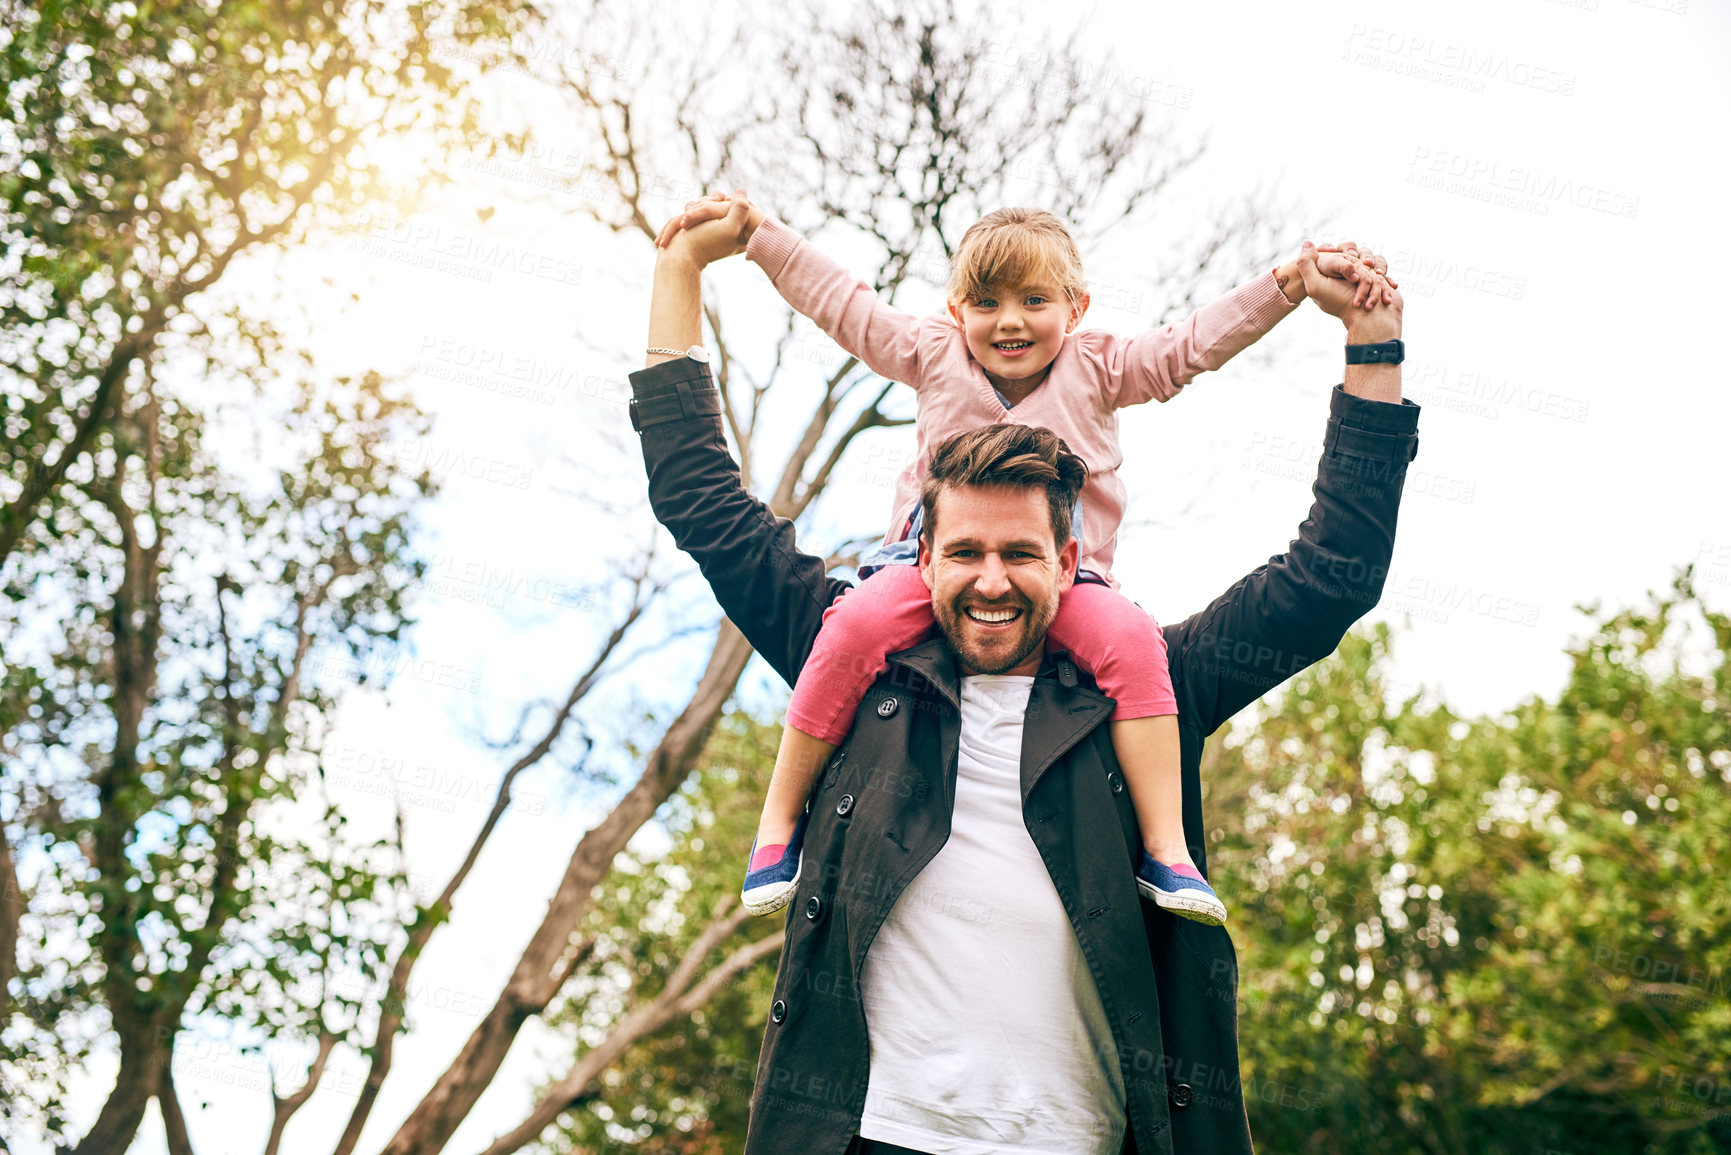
(813, 907)
(1116, 782)
(845, 804)
(887, 707)
(1181, 1094)
(778, 1012)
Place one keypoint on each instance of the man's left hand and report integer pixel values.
(721, 230)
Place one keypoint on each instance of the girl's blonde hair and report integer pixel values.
(1009, 248)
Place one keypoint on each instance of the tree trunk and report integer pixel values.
(538, 974)
(11, 910)
(173, 1119)
(430, 919)
(137, 1081)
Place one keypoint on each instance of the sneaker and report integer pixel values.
(772, 874)
(1181, 890)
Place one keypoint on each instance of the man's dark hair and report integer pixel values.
(1018, 456)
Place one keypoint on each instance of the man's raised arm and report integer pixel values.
(774, 593)
(1294, 610)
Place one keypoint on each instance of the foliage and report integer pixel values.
(157, 707)
(1496, 934)
(144, 148)
(1500, 934)
(178, 627)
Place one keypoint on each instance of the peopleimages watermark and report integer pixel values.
(1519, 187)
(1294, 459)
(1476, 393)
(1460, 66)
(520, 376)
(884, 465)
(1713, 562)
(1702, 1093)
(1013, 63)
(474, 256)
(1685, 983)
(1428, 598)
(1421, 273)
(399, 665)
(451, 460)
(421, 784)
(481, 581)
(531, 55)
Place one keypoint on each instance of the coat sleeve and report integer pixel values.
(1294, 610)
(772, 591)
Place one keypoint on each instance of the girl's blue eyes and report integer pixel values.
(991, 303)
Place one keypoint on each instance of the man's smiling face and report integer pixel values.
(995, 575)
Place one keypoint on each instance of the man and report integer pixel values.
(910, 1008)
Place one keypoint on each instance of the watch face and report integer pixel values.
(699, 354)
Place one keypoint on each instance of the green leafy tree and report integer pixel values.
(172, 657)
(178, 625)
(1496, 934)
(1487, 935)
(145, 148)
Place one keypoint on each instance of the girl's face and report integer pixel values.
(1016, 335)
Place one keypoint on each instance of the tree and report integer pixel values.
(1497, 934)
(173, 704)
(678, 1060)
(162, 603)
(1492, 934)
(143, 152)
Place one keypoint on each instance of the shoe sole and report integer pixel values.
(775, 902)
(1186, 904)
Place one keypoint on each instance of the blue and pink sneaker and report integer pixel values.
(772, 873)
(1180, 889)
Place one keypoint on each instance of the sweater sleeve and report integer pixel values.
(1155, 364)
(846, 308)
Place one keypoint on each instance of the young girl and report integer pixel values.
(1007, 351)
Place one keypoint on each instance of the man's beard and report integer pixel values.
(1013, 649)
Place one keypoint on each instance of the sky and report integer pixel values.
(1547, 181)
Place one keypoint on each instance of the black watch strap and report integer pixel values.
(1381, 353)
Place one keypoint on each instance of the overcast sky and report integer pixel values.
(1548, 182)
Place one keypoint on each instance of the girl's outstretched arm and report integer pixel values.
(886, 339)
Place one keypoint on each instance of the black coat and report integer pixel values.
(881, 809)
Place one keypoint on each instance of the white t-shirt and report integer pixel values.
(986, 1029)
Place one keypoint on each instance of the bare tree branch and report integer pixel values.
(871, 417)
(283, 1107)
(678, 999)
(429, 918)
(537, 975)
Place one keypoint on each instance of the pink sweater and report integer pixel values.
(1094, 374)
